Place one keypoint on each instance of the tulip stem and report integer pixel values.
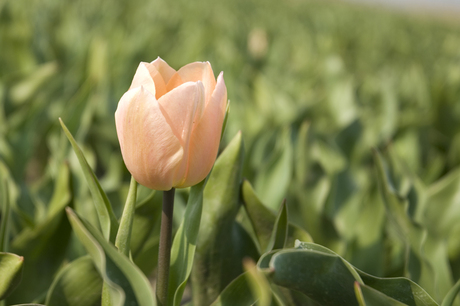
(165, 247)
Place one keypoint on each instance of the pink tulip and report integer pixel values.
(169, 123)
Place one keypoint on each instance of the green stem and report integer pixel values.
(165, 247)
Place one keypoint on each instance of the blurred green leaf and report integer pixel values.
(146, 232)
(238, 292)
(213, 270)
(77, 284)
(451, 295)
(184, 245)
(426, 255)
(107, 219)
(273, 178)
(5, 213)
(280, 230)
(38, 245)
(11, 266)
(125, 282)
(263, 219)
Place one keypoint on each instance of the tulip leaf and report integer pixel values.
(146, 232)
(213, 270)
(280, 230)
(77, 284)
(122, 242)
(184, 245)
(238, 292)
(5, 213)
(322, 277)
(426, 257)
(273, 178)
(11, 266)
(367, 296)
(451, 295)
(399, 288)
(262, 219)
(224, 124)
(125, 282)
(43, 256)
(107, 219)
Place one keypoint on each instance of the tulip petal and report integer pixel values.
(182, 108)
(149, 147)
(148, 76)
(164, 69)
(197, 71)
(205, 138)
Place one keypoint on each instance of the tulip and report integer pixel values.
(169, 123)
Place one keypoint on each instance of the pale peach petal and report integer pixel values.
(143, 78)
(180, 107)
(205, 138)
(197, 71)
(164, 69)
(149, 147)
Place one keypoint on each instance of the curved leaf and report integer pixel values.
(126, 283)
(368, 296)
(262, 219)
(11, 273)
(107, 220)
(77, 284)
(213, 270)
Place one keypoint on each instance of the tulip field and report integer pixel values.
(337, 179)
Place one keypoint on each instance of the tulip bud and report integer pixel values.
(169, 123)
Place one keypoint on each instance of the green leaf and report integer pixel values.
(368, 296)
(126, 283)
(122, 242)
(146, 232)
(238, 292)
(322, 277)
(5, 213)
(399, 288)
(107, 219)
(184, 245)
(280, 230)
(426, 258)
(262, 219)
(213, 269)
(273, 179)
(11, 273)
(77, 284)
(451, 295)
(38, 244)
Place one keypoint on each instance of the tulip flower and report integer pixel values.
(169, 123)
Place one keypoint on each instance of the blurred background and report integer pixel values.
(313, 85)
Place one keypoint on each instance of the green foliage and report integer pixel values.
(314, 86)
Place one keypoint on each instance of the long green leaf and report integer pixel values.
(77, 284)
(39, 245)
(212, 270)
(238, 292)
(368, 296)
(10, 273)
(122, 242)
(126, 283)
(280, 230)
(107, 219)
(262, 219)
(184, 245)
